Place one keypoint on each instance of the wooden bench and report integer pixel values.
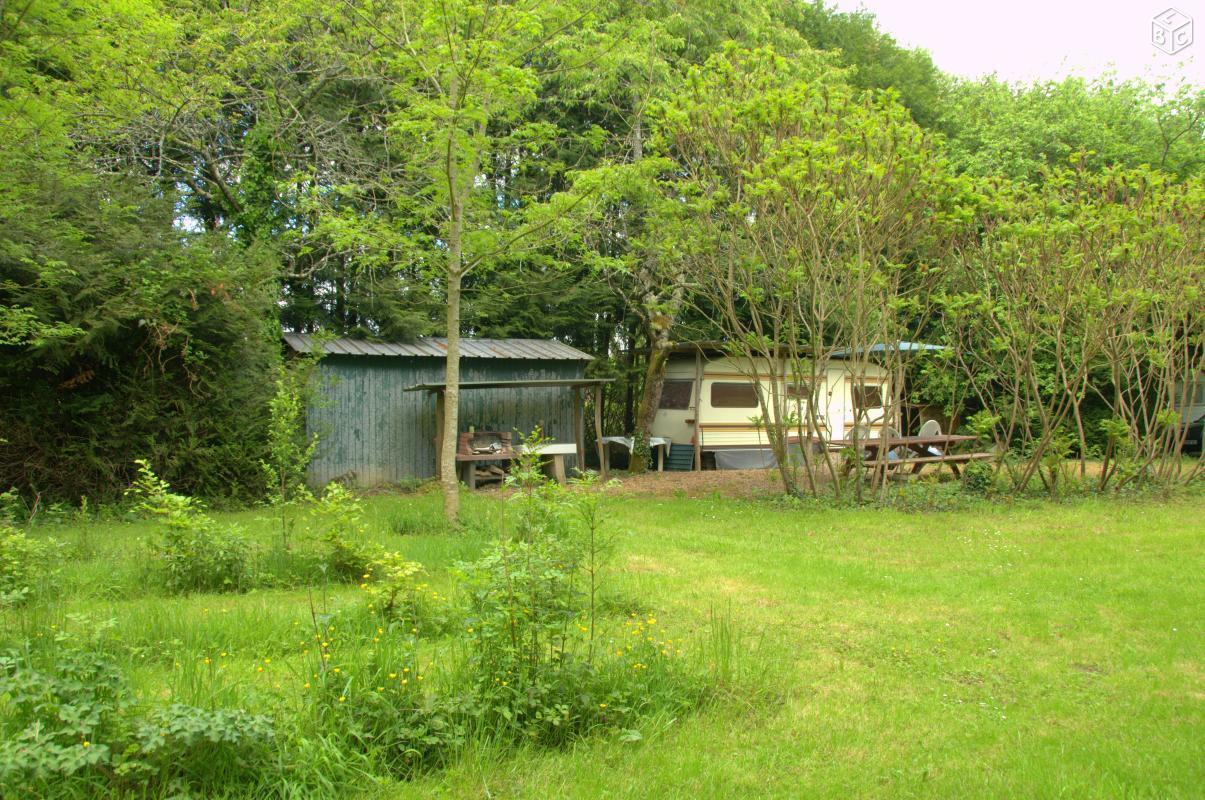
(953, 459)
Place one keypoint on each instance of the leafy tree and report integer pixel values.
(875, 59)
(1016, 130)
(807, 204)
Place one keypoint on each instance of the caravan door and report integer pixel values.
(676, 413)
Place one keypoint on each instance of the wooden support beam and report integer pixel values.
(598, 431)
(698, 409)
(579, 429)
(439, 428)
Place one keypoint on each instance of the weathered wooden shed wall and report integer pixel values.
(371, 432)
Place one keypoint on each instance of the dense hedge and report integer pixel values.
(127, 336)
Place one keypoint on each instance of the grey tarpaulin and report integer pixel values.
(758, 458)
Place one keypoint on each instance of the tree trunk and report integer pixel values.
(650, 399)
(448, 479)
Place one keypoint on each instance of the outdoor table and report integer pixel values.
(927, 449)
(658, 443)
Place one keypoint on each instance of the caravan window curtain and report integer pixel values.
(733, 395)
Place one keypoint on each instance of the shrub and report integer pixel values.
(978, 478)
(198, 555)
(65, 722)
(290, 448)
(537, 666)
(340, 515)
(398, 595)
(72, 727)
(25, 564)
(382, 706)
(192, 746)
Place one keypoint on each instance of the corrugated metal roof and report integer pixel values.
(437, 347)
(902, 346)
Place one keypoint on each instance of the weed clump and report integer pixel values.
(197, 554)
(26, 564)
(72, 726)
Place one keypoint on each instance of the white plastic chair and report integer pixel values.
(931, 427)
(860, 433)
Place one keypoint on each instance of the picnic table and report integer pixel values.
(914, 451)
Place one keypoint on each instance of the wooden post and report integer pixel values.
(579, 428)
(698, 409)
(439, 426)
(598, 430)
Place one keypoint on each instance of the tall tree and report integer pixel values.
(461, 74)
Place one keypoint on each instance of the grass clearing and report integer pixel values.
(1031, 650)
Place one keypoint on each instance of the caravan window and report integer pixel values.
(867, 395)
(799, 391)
(675, 395)
(733, 395)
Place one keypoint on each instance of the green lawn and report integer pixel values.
(1036, 651)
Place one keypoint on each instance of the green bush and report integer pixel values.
(197, 554)
(192, 746)
(978, 478)
(25, 564)
(339, 515)
(163, 340)
(72, 727)
(538, 666)
(399, 596)
(382, 706)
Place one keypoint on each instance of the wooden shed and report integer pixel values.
(372, 432)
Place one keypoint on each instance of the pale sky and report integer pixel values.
(1032, 40)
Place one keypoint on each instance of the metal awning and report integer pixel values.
(567, 383)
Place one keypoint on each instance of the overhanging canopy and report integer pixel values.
(568, 383)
